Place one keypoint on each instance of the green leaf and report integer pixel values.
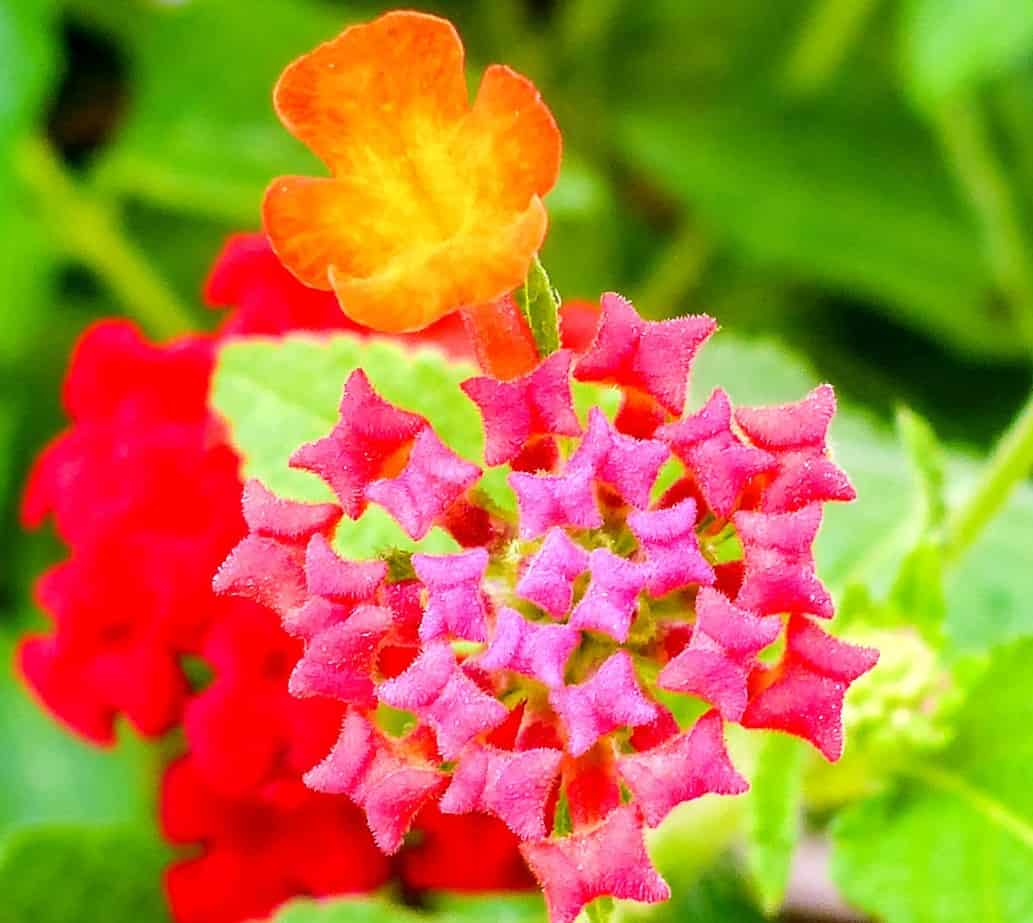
(49, 775)
(540, 305)
(775, 816)
(805, 191)
(67, 874)
(953, 45)
(277, 395)
(517, 908)
(954, 841)
(346, 910)
(201, 134)
(718, 896)
(28, 62)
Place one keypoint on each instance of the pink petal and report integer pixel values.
(654, 357)
(554, 500)
(338, 663)
(538, 651)
(684, 768)
(519, 410)
(610, 860)
(265, 571)
(712, 675)
(369, 436)
(366, 767)
(668, 538)
(286, 520)
(609, 699)
(719, 462)
(430, 483)
(790, 426)
(350, 582)
(803, 695)
(627, 464)
(442, 695)
(740, 633)
(806, 477)
(549, 579)
(796, 434)
(513, 786)
(313, 616)
(454, 605)
(779, 567)
(611, 602)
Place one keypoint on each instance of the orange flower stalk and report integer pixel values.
(434, 203)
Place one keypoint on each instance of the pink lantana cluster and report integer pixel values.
(524, 676)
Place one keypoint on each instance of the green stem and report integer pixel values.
(828, 34)
(1009, 465)
(89, 231)
(965, 137)
(677, 271)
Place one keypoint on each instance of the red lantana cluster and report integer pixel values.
(530, 666)
(145, 490)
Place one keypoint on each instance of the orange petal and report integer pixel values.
(512, 137)
(417, 288)
(375, 84)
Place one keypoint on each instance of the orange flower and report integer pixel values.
(434, 204)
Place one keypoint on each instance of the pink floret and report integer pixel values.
(455, 606)
(548, 581)
(719, 462)
(434, 478)
(651, 356)
(370, 433)
(609, 699)
(609, 859)
(436, 689)
(535, 650)
(554, 500)
(685, 767)
(523, 409)
(668, 538)
(611, 602)
(513, 786)
(628, 465)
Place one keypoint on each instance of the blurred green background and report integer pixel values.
(851, 178)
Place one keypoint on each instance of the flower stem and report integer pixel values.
(501, 338)
(1009, 465)
(89, 231)
(965, 137)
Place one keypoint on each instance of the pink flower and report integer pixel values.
(528, 666)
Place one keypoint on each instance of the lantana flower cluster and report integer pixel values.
(145, 490)
(531, 668)
(536, 699)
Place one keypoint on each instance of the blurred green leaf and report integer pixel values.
(828, 195)
(775, 799)
(719, 896)
(953, 45)
(28, 65)
(346, 910)
(954, 841)
(517, 908)
(277, 395)
(28, 62)
(48, 775)
(201, 134)
(68, 874)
